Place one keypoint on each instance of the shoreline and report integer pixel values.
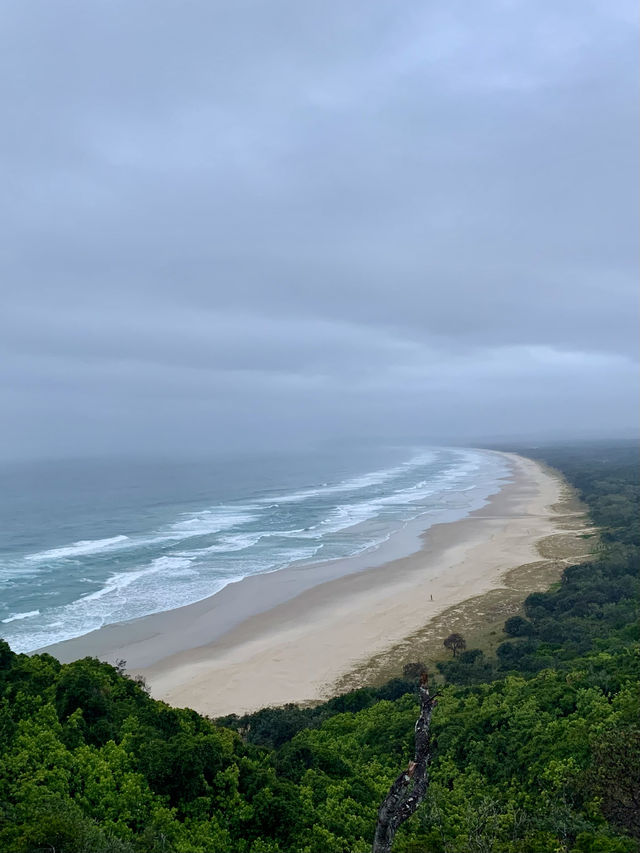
(291, 635)
(145, 638)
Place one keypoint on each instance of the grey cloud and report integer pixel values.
(312, 217)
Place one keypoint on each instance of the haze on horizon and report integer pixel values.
(246, 224)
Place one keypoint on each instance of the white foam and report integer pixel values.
(16, 616)
(80, 548)
(354, 484)
(235, 542)
(352, 514)
(206, 523)
(120, 581)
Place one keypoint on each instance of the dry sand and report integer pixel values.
(292, 635)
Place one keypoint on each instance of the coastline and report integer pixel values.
(291, 635)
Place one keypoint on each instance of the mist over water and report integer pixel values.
(92, 543)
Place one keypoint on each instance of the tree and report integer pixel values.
(615, 777)
(455, 642)
(516, 626)
(413, 669)
(408, 790)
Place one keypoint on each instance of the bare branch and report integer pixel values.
(408, 790)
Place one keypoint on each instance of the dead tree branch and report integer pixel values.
(408, 790)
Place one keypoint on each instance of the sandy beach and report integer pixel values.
(291, 635)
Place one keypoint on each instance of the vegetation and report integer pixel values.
(536, 750)
(410, 786)
(455, 643)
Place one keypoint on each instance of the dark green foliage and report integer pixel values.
(614, 776)
(413, 670)
(516, 626)
(538, 749)
(7, 657)
(272, 727)
(468, 668)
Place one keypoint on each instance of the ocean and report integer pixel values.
(86, 543)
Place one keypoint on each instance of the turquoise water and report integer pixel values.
(86, 543)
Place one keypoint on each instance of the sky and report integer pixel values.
(249, 224)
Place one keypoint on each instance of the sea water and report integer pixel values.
(86, 543)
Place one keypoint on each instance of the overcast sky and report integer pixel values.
(254, 223)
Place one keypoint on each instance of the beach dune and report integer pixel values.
(291, 635)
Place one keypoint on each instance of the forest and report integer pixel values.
(536, 749)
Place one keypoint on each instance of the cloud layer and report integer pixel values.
(239, 224)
